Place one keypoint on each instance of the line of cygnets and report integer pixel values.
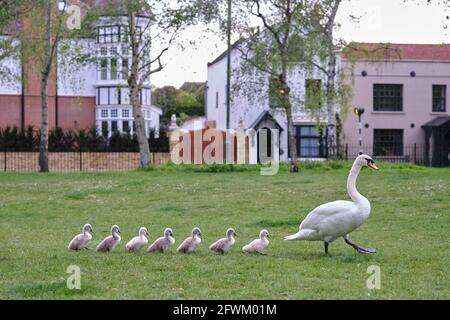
(162, 244)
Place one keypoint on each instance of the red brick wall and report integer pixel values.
(10, 113)
(76, 112)
(73, 112)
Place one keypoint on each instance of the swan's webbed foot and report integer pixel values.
(359, 248)
(326, 244)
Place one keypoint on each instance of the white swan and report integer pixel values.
(337, 219)
(138, 242)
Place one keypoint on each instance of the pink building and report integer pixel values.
(404, 93)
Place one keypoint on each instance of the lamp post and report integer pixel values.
(359, 112)
(228, 142)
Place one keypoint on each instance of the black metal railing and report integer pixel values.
(408, 153)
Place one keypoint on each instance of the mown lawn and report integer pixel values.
(409, 224)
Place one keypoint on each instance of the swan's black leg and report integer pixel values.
(325, 244)
(359, 248)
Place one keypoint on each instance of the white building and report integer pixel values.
(254, 112)
(83, 96)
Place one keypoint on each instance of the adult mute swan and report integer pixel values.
(336, 219)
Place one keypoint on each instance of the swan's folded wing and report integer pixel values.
(219, 244)
(326, 212)
(159, 245)
(106, 245)
(186, 244)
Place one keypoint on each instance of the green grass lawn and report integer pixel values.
(409, 224)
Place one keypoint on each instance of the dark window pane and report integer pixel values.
(114, 126)
(104, 128)
(388, 97)
(388, 142)
(126, 126)
(309, 142)
(439, 98)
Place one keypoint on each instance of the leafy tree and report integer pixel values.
(175, 101)
(35, 33)
(270, 50)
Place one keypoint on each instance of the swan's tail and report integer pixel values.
(296, 236)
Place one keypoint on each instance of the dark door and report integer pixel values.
(268, 143)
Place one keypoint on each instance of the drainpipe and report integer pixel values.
(22, 96)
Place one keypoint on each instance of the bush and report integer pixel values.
(86, 140)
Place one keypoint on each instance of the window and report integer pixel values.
(125, 126)
(104, 69)
(125, 113)
(388, 97)
(105, 128)
(125, 96)
(125, 69)
(113, 51)
(217, 99)
(388, 142)
(114, 126)
(113, 69)
(103, 51)
(125, 51)
(310, 142)
(108, 34)
(114, 113)
(103, 96)
(313, 94)
(439, 95)
(104, 113)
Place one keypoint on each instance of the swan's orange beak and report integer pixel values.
(372, 165)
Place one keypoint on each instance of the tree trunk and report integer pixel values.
(43, 145)
(331, 83)
(133, 83)
(292, 140)
(331, 112)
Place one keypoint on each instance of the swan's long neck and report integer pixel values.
(351, 184)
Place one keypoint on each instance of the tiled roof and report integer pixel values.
(398, 51)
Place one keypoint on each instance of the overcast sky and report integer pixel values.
(382, 21)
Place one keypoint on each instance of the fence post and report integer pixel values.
(81, 160)
(414, 153)
(4, 153)
(346, 151)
